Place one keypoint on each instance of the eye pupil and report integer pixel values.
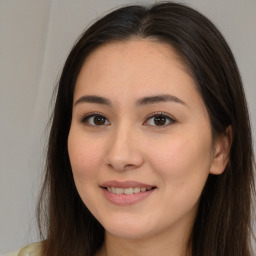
(99, 120)
(159, 120)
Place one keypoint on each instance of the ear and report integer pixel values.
(221, 152)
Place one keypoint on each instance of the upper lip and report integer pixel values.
(125, 184)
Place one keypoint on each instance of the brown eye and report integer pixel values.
(95, 120)
(99, 120)
(159, 120)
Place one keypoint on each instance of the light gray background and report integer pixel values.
(35, 38)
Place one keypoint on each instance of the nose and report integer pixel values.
(124, 151)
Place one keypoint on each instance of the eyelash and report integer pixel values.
(85, 119)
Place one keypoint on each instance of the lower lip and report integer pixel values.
(123, 199)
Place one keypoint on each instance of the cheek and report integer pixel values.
(181, 155)
(85, 156)
(183, 165)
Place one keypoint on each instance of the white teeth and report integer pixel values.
(127, 191)
(136, 190)
(119, 191)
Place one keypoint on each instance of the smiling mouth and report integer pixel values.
(127, 191)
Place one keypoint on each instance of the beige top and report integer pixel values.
(29, 250)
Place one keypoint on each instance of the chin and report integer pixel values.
(130, 234)
(128, 229)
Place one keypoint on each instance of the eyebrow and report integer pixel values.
(140, 102)
(93, 99)
(158, 99)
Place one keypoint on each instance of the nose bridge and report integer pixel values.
(123, 150)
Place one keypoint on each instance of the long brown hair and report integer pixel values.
(223, 224)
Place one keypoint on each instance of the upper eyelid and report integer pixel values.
(160, 113)
(84, 118)
(92, 114)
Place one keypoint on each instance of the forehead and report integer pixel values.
(133, 64)
(145, 52)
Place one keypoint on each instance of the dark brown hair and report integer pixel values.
(223, 224)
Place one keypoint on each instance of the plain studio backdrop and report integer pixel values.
(35, 38)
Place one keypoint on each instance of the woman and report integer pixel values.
(150, 149)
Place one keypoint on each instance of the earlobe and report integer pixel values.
(222, 151)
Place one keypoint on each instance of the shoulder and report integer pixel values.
(29, 250)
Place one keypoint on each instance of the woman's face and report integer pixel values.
(140, 142)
